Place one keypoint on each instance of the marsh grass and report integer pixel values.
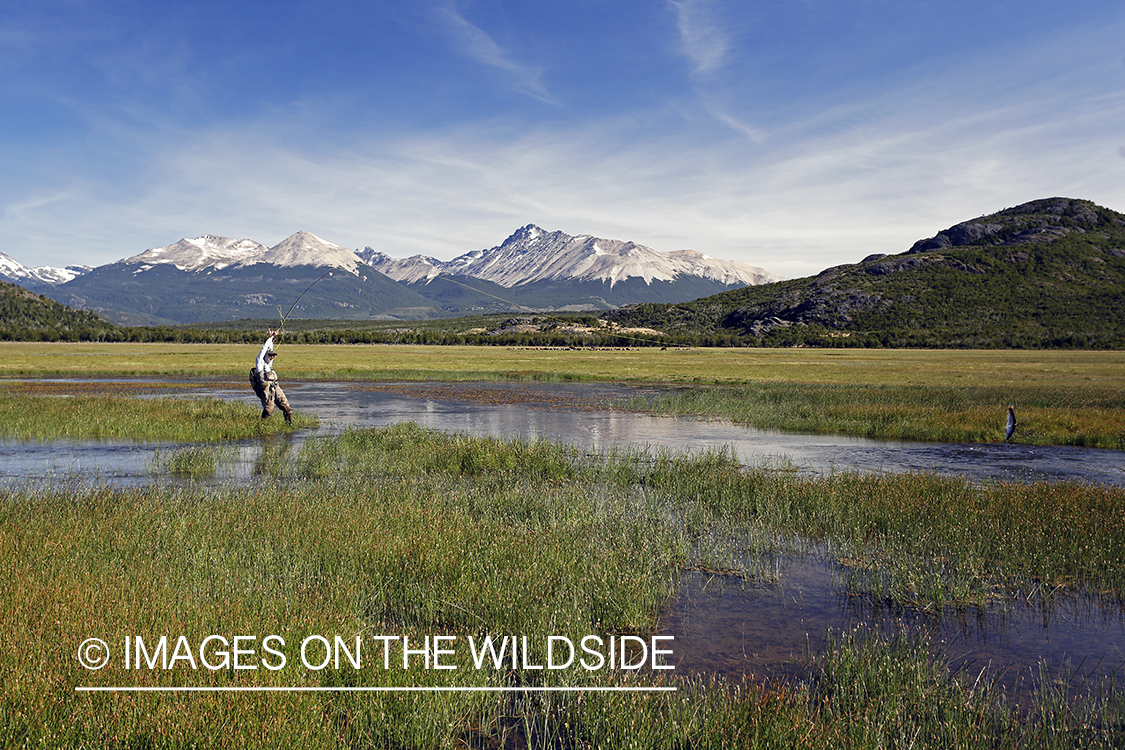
(898, 693)
(948, 395)
(1090, 417)
(920, 539)
(409, 532)
(193, 462)
(112, 417)
(940, 541)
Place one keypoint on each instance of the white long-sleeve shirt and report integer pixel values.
(263, 363)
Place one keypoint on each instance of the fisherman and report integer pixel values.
(264, 381)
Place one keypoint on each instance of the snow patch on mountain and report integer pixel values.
(532, 254)
(306, 249)
(198, 253)
(16, 272)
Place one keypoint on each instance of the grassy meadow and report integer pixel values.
(964, 368)
(403, 534)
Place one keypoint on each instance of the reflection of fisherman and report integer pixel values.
(273, 454)
(264, 381)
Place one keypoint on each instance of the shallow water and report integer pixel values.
(574, 413)
(723, 626)
(769, 631)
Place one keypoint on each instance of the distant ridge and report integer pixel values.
(213, 278)
(1047, 273)
(532, 255)
(35, 279)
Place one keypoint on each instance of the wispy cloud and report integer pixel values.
(702, 38)
(819, 196)
(842, 177)
(480, 46)
(736, 124)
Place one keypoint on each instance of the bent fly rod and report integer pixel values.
(285, 317)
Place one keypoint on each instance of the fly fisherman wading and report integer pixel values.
(264, 381)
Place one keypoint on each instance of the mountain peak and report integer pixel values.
(306, 249)
(529, 233)
(194, 254)
(532, 254)
(14, 271)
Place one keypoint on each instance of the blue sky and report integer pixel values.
(793, 135)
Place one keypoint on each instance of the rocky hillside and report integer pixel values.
(1049, 273)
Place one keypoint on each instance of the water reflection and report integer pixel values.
(727, 626)
(570, 412)
(721, 625)
(273, 454)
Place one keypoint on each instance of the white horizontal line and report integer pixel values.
(346, 689)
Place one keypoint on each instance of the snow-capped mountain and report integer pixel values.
(212, 278)
(211, 252)
(533, 255)
(198, 253)
(35, 278)
(306, 249)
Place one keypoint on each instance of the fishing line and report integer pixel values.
(286, 315)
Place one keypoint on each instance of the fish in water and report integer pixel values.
(1011, 428)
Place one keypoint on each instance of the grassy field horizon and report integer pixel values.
(1062, 398)
(675, 365)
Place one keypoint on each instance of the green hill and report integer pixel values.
(1050, 273)
(25, 316)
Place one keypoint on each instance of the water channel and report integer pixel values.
(721, 626)
(575, 413)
